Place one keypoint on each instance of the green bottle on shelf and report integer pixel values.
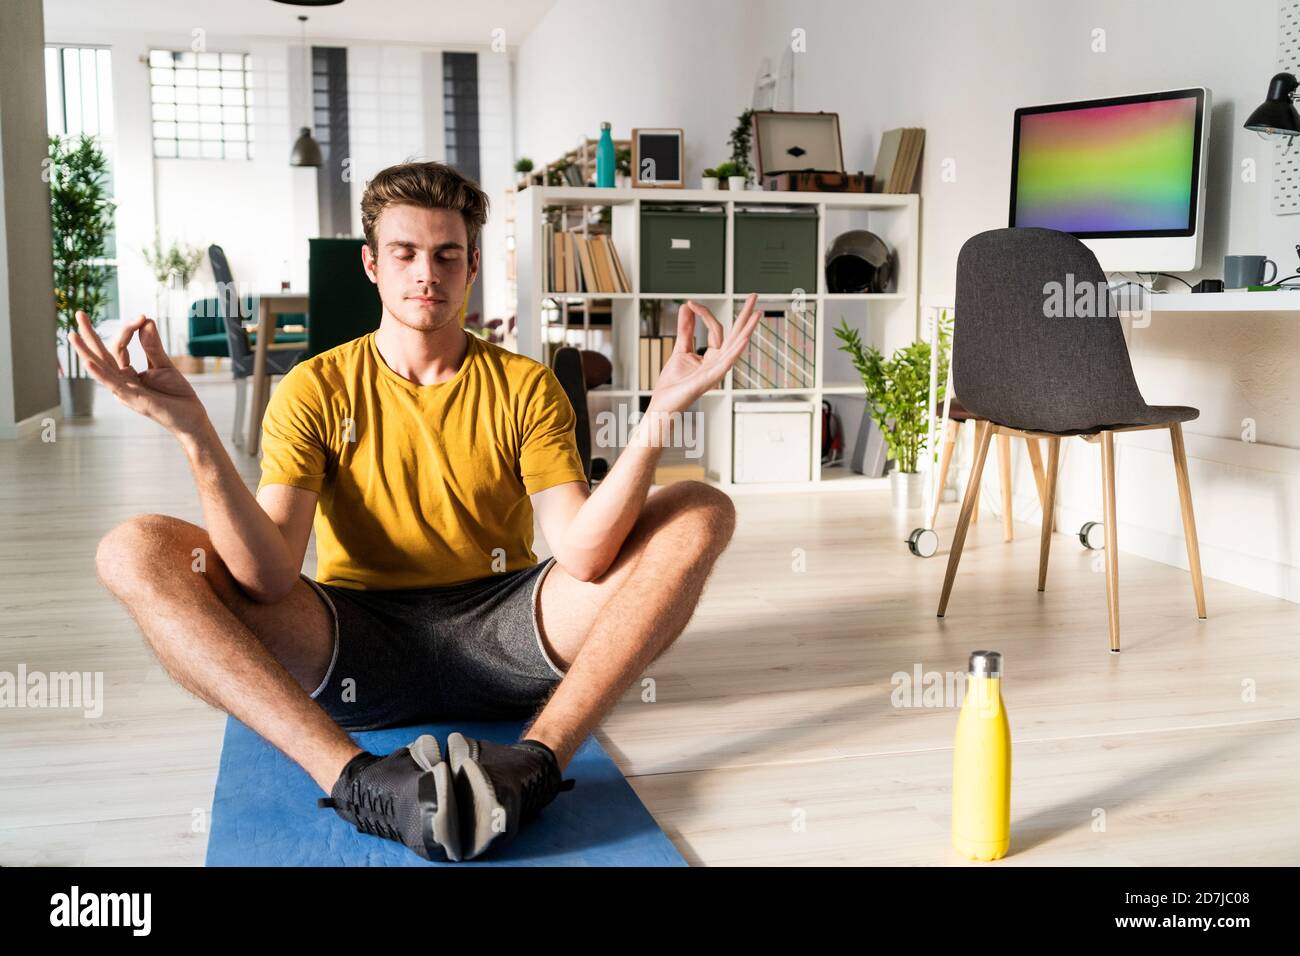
(605, 158)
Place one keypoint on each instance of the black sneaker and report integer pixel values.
(500, 787)
(406, 796)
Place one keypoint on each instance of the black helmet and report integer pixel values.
(859, 261)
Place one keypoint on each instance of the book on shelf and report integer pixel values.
(898, 159)
(579, 263)
(668, 472)
(654, 352)
(886, 157)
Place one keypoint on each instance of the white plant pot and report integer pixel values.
(736, 183)
(709, 182)
(907, 489)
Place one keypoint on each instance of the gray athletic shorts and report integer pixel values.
(471, 651)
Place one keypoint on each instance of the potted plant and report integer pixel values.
(741, 137)
(727, 174)
(81, 217)
(898, 395)
(710, 179)
(523, 165)
(173, 268)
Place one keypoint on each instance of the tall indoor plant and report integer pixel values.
(81, 216)
(741, 138)
(898, 394)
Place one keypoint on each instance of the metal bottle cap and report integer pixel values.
(985, 664)
(605, 126)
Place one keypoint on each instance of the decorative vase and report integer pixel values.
(709, 182)
(736, 183)
(907, 489)
(77, 395)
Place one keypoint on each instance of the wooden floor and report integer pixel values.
(772, 737)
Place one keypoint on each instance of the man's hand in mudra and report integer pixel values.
(686, 376)
(159, 392)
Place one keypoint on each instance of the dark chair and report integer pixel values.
(231, 310)
(578, 370)
(342, 301)
(1026, 371)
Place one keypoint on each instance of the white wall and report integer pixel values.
(959, 70)
(668, 63)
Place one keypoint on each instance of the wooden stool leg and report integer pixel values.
(949, 439)
(1049, 505)
(1111, 548)
(983, 434)
(1004, 473)
(1189, 519)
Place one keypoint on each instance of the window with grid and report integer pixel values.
(202, 105)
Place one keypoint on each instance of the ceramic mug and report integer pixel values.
(1242, 271)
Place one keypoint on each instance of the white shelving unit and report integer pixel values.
(888, 320)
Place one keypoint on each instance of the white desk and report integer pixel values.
(1288, 301)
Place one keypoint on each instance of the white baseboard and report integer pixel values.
(33, 423)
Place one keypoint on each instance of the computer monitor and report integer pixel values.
(1126, 175)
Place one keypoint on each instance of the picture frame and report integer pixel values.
(664, 148)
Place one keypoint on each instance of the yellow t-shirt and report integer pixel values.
(420, 485)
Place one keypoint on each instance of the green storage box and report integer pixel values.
(776, 250)
(683, 249)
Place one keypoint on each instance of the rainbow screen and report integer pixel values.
(1107, 169)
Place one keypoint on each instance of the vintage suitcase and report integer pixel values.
(801, 152)
(858, 182)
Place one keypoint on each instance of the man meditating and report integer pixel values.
(422, 453)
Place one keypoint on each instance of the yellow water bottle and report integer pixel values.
(981, 764)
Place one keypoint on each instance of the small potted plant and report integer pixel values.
(727, 174)
(898, 395)
(710, 179)
(81, 217)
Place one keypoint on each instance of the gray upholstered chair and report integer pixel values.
(1026, 370)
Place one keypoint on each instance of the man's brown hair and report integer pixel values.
(429, 186)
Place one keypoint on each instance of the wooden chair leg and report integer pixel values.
(1049, 504)
(1189, 519)
(949, 439)
(1040, 478)
(1004, 473)
(241, 402)
(983, 435)
(1112, 551)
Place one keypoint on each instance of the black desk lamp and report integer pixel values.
(1277, 115)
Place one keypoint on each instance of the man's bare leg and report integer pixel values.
(604, 633)
(257, 662)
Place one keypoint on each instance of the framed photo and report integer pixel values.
(658, 159)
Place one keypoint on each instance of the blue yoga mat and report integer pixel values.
(264, 812)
